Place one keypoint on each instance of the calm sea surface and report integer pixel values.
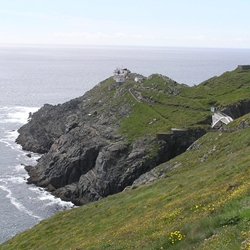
(33, 76)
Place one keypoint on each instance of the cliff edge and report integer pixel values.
(103, 141)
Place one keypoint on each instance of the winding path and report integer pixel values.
(131, 93)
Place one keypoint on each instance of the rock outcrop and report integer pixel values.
(237, 110)
(85, 157)
(93, 146)
(82, 166)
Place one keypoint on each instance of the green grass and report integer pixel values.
(176, 105)
(141, 122)
(202, 204)
(223, 90)
(167, 104)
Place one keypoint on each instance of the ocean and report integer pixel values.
(31, 76)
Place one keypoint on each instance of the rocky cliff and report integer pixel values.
(103, 141)
(238, 109)
(85, 156)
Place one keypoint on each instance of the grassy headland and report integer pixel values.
(203, 201)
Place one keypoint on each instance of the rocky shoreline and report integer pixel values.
(85, 158)
(83, 165)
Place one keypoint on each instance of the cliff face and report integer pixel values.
(85, 157)
(98, 144)
(85, 163)
(237, 110)
(83, 166)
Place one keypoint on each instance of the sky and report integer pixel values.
(178, 23)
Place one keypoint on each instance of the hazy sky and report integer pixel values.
(185, 23)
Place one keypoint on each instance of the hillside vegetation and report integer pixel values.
(201, 200)
(172, 104)
(177, 105)
(202, 203)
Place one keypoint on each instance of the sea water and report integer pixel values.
(31, 76)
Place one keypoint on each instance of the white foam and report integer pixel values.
(17, 204)
(9, 136)
(17, 114)
(44, 195)
(20, 168)
(17, 179)
(14, 117)
(9, 140)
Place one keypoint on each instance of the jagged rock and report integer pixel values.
(243, 124)
(156, 173)
(45, 126)
(237, 110)
(84, 167)
(85, 157)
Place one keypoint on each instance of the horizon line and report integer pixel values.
(114, 45)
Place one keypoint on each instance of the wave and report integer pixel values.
(43, 195)
(28, 199)
(8, 138)
(14, 201)
(16, 114)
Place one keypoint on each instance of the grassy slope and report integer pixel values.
(201, 204)
(181, 106)
(172, 104)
